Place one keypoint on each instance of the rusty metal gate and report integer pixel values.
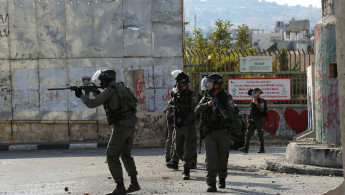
(285, 64)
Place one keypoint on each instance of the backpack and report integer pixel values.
(128, 105)
(238, 126)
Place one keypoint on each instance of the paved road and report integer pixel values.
(49, 172)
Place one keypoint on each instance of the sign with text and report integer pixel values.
(256, 64)
(274, 89)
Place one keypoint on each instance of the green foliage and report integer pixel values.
(243, 38)
(188, 43)
(200, 42)
(220, 36)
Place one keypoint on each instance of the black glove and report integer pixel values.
(78, 93)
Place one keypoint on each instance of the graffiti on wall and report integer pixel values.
(281, 122)
(139, 90)
(150, 130)
(272, 122)
(326, 88)
(4, 32)
(297, 122)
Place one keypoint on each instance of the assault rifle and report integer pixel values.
(217, 106)
(174, 95)
(201, 131)
(88, 86)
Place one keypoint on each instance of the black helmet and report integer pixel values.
(182, 78)
(107, 75)
(217, 79)
(256, 90)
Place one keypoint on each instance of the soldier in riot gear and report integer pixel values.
(120, 107)
(258, 108)
(184, 139)
(216, 123)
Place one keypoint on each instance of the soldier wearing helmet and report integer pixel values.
(216, 128)
(183, 129)
(120, 107)
(258, 108)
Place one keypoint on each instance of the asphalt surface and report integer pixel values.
(85, 171)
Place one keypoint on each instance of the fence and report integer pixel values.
(285, 64)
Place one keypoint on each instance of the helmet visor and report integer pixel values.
(207, 83)
(95, 77)
(175, 73)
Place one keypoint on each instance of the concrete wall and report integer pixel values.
(283, 121)
(326, 88)
(48, 44)
(340, 29)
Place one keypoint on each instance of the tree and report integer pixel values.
(200, 42)
(243, 38)
(220, 36)
(188, 43)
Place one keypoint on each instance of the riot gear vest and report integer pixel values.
(128, 104)
(215, 120)
(183, 103)
(254, 110)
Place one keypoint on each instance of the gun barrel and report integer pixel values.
(59, 88)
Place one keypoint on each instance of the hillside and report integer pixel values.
(255, 14)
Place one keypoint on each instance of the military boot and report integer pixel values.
(134, 186)
(243, 149)
(221, 183)
(172, 165)
(262, 150)
(167, 160)
(212, 188)
(186, 174)
(120, 189)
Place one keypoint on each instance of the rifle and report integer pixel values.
(217, 106)
(88, 86)
(74, 88)
(201, 131)
(174, 95)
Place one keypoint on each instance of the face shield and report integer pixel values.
(95, 78)
(207, 83)
(175, 73)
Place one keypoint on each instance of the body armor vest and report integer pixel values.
(212, 119)
(127, 101)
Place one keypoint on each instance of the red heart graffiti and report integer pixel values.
(297, 122)
(272, 121)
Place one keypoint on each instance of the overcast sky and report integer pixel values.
(306, 3)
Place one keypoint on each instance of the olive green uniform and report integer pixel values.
(256, 122)
(216, 130)
(184, 138)
(121, 140)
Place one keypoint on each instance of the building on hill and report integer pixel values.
(292, 36)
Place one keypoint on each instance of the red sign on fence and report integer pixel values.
(274, 89)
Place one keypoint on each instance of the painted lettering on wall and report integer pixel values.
(326, 89)
(139, 90)
(167, 96)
